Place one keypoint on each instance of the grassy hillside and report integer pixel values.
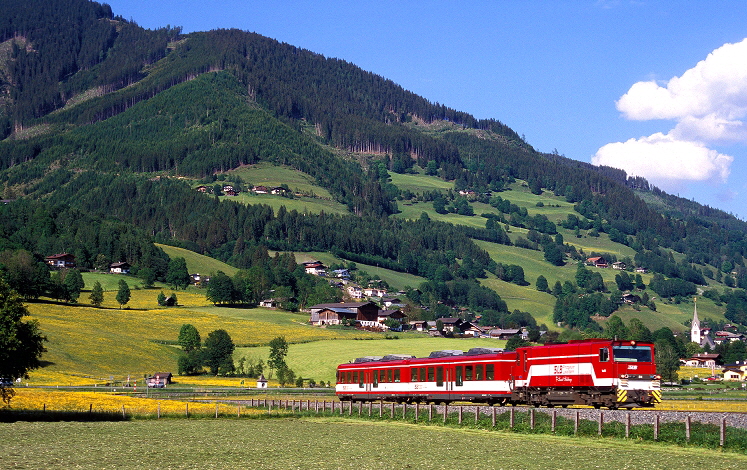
(197, 263)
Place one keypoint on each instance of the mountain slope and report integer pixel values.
(116, 122)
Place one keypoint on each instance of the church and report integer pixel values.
(700, 335)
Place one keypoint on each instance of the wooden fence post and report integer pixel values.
(601, 422)
(360, 407)
(392, 414)
(531, 419)
(722, 433)
(460, 414)
(404, 410)
(554, 420)
(417, 410)
(656, 427)
(493, 407)
(511, 420)
(124, 416)
(575, 424)
(159, 410)
(370, 406)
(381, 408)
(238, 411)
(477, 414)
(687, 428)
(430, 412)
(186, 410)
(627, 425)
(446, 412)
(216, 410)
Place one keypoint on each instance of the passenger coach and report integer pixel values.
(595, 372)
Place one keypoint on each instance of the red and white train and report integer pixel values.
(595, 372)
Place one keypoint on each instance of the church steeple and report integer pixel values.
(695, 335)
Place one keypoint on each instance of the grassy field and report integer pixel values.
(324, 443)
(197, 263)
(319, 360)
(88, 344)
(306, 205)
(267, 174)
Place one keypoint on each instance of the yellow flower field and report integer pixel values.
(35, 399)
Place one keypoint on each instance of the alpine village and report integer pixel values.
(209, 224)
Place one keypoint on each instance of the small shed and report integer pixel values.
(262, 381)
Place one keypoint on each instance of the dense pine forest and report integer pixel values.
(104, 124)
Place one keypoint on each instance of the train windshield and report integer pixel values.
(632, 353)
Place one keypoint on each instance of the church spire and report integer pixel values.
(695, 335)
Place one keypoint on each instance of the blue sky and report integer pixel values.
(658, 88)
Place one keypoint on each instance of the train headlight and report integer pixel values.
(657, 377)
(624, 376)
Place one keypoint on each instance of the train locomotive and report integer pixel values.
(595, 372)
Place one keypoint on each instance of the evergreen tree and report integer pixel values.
(161, 299)
(123, 294)
(97, 294)
(177, 275)
(542, 285)
(73, 284)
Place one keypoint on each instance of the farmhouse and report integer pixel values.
(703, 360)
(122, 267)
(383, 315)
(260, 190)
(355, 292)
(201, 189)
(736, 371)
(597, 261)
(315, 267)
(392, 302)
(619, 265)
(365, 313)
(60, 261)
(159, 380)
(501, 333)
(374, 292)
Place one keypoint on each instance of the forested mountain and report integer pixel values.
(102, 121)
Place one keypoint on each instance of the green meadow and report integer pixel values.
(326, 443)
(319, 360)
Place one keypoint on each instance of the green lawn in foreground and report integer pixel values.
(325, 443)
(319, 360)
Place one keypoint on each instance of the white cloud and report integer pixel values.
(661, 158)
(708, 103)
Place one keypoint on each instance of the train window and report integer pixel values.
(468, 373)
(459, 378)
(396, 375)
(413, 374)
(604, 355)
(360, 381)
(631, 353)
(489, 368)
(430, 374)
(355, 377)
(422, 374)
(439, 376)
(349, 378)
(478, 372)
(389, 375)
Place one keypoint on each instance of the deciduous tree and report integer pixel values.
(21, 342)
(123, 294)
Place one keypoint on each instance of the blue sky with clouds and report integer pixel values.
(658, 88)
